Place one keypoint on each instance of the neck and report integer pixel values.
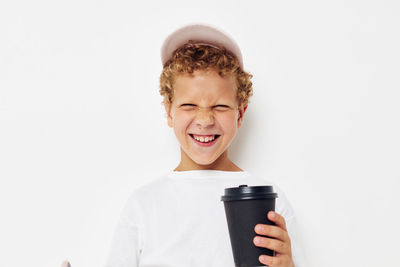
(223, 163)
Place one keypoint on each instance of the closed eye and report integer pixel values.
(188, 106)
(221, 107)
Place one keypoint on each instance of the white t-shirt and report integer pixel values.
(178, 220)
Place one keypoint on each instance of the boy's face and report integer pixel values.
(204, 107)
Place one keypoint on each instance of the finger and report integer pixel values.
(273, 244)
(277, 219)
(274, 261)
(272, 231)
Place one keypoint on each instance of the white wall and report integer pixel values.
(81, 121)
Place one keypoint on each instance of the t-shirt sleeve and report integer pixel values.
(285, 209)
(125, 248)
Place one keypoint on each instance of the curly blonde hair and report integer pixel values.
(193, 56)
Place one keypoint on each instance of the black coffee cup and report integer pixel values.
(245, 207)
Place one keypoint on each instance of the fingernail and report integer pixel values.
(257, 240)
(259, 228)
(272, 214)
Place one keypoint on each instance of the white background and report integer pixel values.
(82, 125)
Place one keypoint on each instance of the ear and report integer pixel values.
(167, 107)
(241, 114)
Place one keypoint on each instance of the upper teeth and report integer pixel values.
(204, 139)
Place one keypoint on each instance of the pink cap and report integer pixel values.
(199, 33)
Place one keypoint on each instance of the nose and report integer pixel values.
(204, 117)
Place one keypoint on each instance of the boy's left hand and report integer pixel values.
(280, 242)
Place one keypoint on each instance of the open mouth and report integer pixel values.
(205, 139)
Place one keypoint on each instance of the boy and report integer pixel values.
(178, 219)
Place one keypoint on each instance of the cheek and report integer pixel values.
(229, 124)
(181, 122)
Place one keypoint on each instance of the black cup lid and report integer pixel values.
(243, 192)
